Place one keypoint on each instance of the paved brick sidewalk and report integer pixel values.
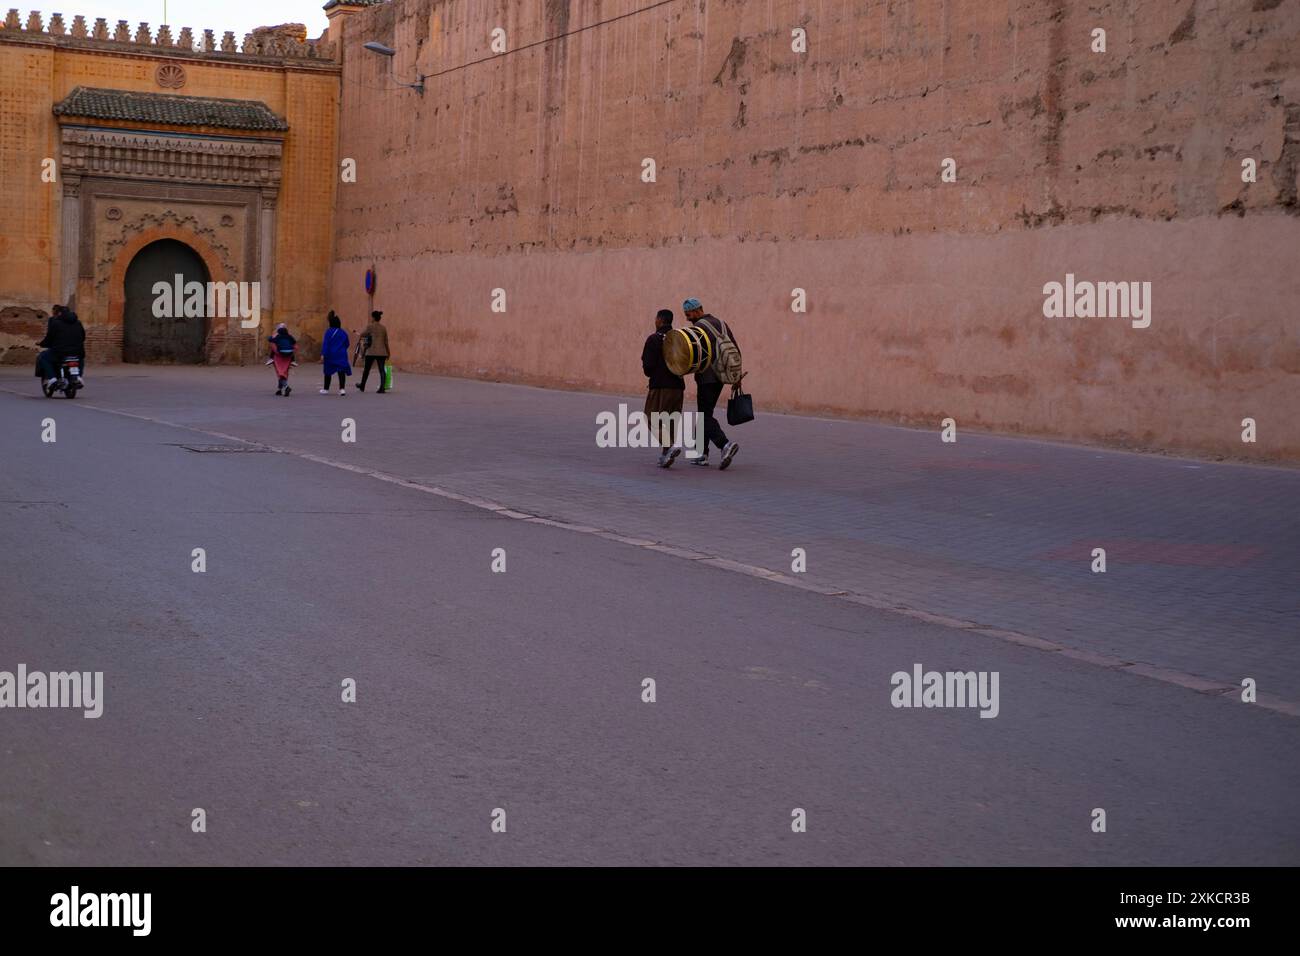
(1203, 559)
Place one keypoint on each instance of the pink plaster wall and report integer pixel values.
(821, 172)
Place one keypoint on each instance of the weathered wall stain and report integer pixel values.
(1186, 29)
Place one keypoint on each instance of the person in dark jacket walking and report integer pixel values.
(376, 336)
(708, 388)
(666, 390)
(65, 337)
(282, 346)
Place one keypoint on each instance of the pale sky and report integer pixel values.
(239, 16)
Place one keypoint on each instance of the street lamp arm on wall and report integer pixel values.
(375, 47)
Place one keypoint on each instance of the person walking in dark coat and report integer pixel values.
(666, 390)
(65, 338)
(376, 336)
(283, 347)
(708, 388)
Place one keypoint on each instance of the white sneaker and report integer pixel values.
(342, 392)
(324, 391)
(728, 453)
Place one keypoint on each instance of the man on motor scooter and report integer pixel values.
(65, 337)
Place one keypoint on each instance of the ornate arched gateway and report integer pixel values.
(140, 169)
(167, 335)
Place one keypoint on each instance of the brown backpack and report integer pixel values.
(726, 356)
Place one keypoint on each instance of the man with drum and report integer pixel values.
(708, 387)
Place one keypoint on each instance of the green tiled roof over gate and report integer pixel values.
(169, 109)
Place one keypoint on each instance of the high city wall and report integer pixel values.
(822, 171)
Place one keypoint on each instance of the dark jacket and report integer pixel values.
(65, 335)
(284, 343)
(712, 327)
(652, 363)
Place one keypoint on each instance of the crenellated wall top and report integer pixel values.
(284, 42)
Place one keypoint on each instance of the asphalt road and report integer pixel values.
(523, 691)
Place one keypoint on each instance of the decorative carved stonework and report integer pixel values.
(170, 76)
(72, 186)
(227, 220)
(144, 155)
(189, 223)
(113, 213)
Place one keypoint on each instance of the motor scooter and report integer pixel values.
(68, 381)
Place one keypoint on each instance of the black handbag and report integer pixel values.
(740, 406)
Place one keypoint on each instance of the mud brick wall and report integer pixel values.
(21, 327)
(821, 171)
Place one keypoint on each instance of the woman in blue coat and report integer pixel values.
(334, 354)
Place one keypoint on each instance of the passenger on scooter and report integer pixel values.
(65, 337)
